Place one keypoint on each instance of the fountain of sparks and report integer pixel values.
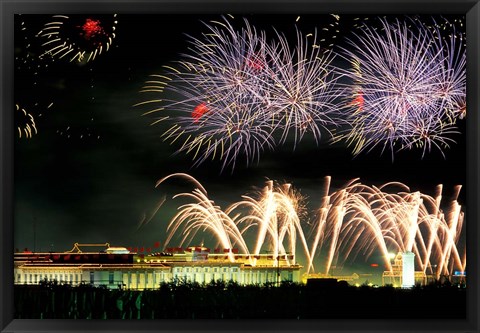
(354, 220)
(203, 214)
(275, 212)
(360, 219)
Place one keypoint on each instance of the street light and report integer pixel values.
(391, 257)
(434, 271)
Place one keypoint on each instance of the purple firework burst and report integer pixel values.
(234, 91)
(303, 88)
(408, 90)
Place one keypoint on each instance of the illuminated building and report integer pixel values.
(348, 278)
(408, 270)
(459, 277)
(117, 267)
(403, 272)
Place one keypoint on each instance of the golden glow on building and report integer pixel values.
(394, 277)
(116, 267)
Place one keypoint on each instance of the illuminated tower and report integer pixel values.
(408, 270)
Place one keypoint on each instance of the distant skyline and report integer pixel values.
(89, 174)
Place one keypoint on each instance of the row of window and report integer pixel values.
(36, 278)
(138, 277)
(157, 277)
(205, 269)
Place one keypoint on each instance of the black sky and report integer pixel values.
(89, 174)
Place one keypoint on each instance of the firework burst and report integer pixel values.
(25, 123)
(452, 83)
(408, 90)
(302, 88)
(78, 37)
(234, 91)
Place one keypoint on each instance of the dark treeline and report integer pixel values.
(219, 300)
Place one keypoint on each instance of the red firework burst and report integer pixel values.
(78, 37)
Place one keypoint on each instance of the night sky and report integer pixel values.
(89, 174)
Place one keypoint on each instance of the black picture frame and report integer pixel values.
(471, 8)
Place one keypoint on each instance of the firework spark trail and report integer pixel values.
(202, 214)
(375, 219)
(320, 224)
(303, 87)
(455, 220)
(356, 219)
(452, 83)
(359, 223)
(233, 91)
(409, 88)
(227, 62)
(276, 213)
(144, 221)
(25, 123)
(363, 218)
(229, 131)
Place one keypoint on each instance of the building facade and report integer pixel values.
(120, 268)
(403, 272)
